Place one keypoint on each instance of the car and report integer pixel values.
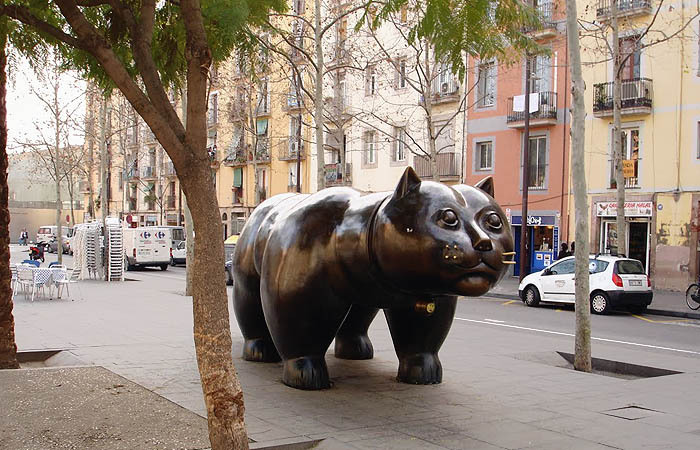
(53, 245)
(228, 267)
(178, 255)
(615, 282)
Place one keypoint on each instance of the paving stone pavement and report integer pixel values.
(493, 395)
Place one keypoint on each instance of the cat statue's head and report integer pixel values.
(435, 239)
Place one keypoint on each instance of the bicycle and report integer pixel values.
(692, 296)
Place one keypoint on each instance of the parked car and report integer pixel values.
(178, 255)
(53, 245)
(228, 268)
(614, 282)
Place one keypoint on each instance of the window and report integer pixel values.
(370, 81)
(444, 136)
(484, 155)
(342, 32)
(486, 85)
(444, 83)
(630, 156)
(213, 111)
(294, 134)
(697, 150)
(401, 74)
(564, 267)
(370, 147)
(631, 68)
(298, 7)
(263, 106)
(400, 144)
(292, 178)
(540, 73)
(537, 162)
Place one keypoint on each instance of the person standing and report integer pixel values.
(564, 252)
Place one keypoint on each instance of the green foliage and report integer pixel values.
(227, 24)
(479, 28)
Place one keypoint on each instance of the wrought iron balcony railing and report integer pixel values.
(546, 108)
(636, 93)
(625, 8)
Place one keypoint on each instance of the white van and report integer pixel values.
(47, 234)
(147, 247)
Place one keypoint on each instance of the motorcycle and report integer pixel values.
(36, 252)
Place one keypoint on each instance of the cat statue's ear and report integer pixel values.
(408, 181)
(486, 185)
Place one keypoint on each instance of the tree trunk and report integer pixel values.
(427, 98)
(318, 101)
(617, 133)
(582, 346)
(59, 225)
(58, 163)
(8, 347)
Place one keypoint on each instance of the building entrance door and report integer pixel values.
(638, 240)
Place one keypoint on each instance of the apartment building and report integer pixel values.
(383, 92)
(495, 136)
(660, 135)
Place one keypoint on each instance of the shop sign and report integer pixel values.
(632, 209)
(151, 218)
(534, 220)
(628, 168)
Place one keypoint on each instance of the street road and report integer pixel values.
(680, 337)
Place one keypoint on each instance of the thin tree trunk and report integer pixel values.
(432, 149)
(59, 225)
(582, 346)
(318, 100)
(8, 347)
(617, 133)
(189, 229)
(58, 163)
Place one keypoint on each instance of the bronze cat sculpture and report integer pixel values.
(309, 268)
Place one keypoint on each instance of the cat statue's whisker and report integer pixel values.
(508, 262)
(508, 253)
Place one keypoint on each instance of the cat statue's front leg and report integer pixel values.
(418, 333)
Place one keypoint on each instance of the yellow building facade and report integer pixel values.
(660, 135)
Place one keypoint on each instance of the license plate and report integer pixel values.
(635, 282)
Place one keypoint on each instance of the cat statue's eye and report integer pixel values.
(449, 218)
(494, 221)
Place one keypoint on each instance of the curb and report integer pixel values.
(656, 312)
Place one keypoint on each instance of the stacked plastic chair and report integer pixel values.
(115, 253)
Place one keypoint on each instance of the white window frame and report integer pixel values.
(371, 81)
(400, 149)
(532, 186)
(627, 154)
(480, 156)
(370, 147)
(486, 84)
(402, 68)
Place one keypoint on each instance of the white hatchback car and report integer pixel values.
(614, 282)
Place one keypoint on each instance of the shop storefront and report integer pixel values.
(638, 216)
(543, 236)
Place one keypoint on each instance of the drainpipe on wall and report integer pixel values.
(679, 122)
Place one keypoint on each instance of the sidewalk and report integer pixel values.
(665, 303)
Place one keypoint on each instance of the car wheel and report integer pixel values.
(229, 279)
(600, 303)
(163, 267)
(531, 296)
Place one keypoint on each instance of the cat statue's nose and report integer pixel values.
(483, 244)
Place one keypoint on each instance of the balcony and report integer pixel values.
(636, 97)
(237, 157)
(132, 204)
(133, 173)
(625, 8)
(448, 166)
(148, 172)
(546, 113)
(336, 176)
(263, 107)
(170, 202)
(83, 187)
(444, 89)
(289, 150)
(294, 101)
(546, 28)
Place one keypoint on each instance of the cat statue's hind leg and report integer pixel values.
(351, 341)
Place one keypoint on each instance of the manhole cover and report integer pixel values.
(631, 412)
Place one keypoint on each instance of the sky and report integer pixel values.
(24, 109)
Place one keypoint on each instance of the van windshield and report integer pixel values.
(630, 267)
